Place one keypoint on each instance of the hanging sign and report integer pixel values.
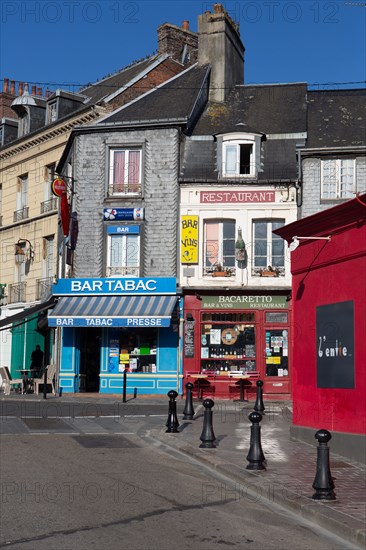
(189, 239)
(65, 214)
(119, 214)
(58, 187)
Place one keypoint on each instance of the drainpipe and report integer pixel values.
(298, 184)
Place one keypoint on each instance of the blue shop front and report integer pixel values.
(112, 325)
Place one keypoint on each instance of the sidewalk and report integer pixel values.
(290, 466)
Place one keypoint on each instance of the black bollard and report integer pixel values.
(255, 456)
(188, 412)
(172, 423)
(45, 383)
(207, 435)
(323, 482)
(259, 405)
(124, 386)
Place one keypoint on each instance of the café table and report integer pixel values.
(24, 376)
(27, 376)
(241, 378)
(199, 378)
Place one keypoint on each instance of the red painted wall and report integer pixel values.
(326, 272)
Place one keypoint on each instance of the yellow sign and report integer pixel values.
(124, 357)
(273, 360)
(189, 239)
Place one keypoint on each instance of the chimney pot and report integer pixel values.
(48, 93)
(39, 92)
(20, 88)
(34, 90)
(218, 8)
(6, 85)
(12, 87)
(185, 25)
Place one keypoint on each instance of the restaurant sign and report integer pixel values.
(244, 302)
(335, 345)
(237, 196)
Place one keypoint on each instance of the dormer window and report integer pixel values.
(240, 155)
(52, 112)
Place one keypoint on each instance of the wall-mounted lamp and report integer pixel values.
(296, 241)
(24, 253)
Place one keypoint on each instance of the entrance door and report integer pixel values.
(90, 340)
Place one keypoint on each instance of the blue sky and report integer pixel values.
(60, 42)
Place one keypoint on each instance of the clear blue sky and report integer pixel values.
(57, 42)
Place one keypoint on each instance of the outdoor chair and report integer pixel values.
(51, 371)
(8, 381)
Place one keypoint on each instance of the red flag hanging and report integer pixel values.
(65, 214)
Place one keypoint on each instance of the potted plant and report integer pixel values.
(219, 271)
(269, 272)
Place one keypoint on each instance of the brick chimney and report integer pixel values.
(179, 42)
(220, 45)
(7, 96)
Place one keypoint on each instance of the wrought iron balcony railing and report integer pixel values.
(123, 271)
(17, 293)
(43, 288)
(49, 206)
(21, 214)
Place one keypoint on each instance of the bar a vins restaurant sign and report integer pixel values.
(244, 302)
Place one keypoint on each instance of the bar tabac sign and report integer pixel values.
(189, 239)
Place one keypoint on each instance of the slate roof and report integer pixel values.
(174, 101)
(336, 118)
(112, 83)
(275, 109)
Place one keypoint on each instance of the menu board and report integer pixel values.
(189, 339)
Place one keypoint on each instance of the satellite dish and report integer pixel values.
(295, 243)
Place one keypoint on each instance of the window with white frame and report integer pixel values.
(21, 199)
(269, 249)
(240, 155)
(125, 171)
(52, 112)
(219, 247)
(338, 178)
(123, 253)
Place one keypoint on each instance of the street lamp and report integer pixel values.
(22, 252)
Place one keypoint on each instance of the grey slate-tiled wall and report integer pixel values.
(159, 230)
(312, 185)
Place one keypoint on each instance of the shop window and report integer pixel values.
(228, 343)
(125, 172)
(337, 179)
(133, 350)
(123, 255)
(276, 352)
(269, 249)
(219, 248)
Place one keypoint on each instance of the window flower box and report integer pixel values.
(269, 272)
